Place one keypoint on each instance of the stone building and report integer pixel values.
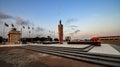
(14, 36)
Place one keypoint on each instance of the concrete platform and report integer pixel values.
(105, 49)
(66, 45)
(11, 45)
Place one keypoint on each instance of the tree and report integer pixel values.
(49, 38)
(56, 39)
(1, 39)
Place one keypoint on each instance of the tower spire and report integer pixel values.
(60, 21)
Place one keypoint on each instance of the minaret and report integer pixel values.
(60, 32)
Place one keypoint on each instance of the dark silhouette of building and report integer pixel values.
(1, 39)
(60, 32)
(67, 38)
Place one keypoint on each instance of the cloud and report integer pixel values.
(69, 24)
(69, 21)
(21, 21)
(1, 22)
(5, 16)
(17, 21)
(72, 26)
(76, 31)
(39, 29)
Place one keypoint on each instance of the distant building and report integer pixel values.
(109, 39)
(60, 32)
(14, 36)
(67, 38)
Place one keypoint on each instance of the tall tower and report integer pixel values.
(60, 32)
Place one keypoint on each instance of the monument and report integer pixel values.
(14, 36)
(60, 32)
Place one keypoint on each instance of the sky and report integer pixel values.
(82, 19)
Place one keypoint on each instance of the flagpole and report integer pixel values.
(3, 31)
(29, 34)
(5, 24)
(21, 34)
(32, 32)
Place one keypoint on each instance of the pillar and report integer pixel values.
(60, 32)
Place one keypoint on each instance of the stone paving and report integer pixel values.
(117, 47)
(106, 49)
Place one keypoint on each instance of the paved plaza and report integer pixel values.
(104, 48)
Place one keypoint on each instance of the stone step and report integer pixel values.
(87, 58)
(99, 59)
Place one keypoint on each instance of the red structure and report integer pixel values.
(60, 32)
(95, 38)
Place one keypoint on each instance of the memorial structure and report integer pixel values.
(14, 36)
(60, 32)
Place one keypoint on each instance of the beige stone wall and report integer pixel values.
(14, 36)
